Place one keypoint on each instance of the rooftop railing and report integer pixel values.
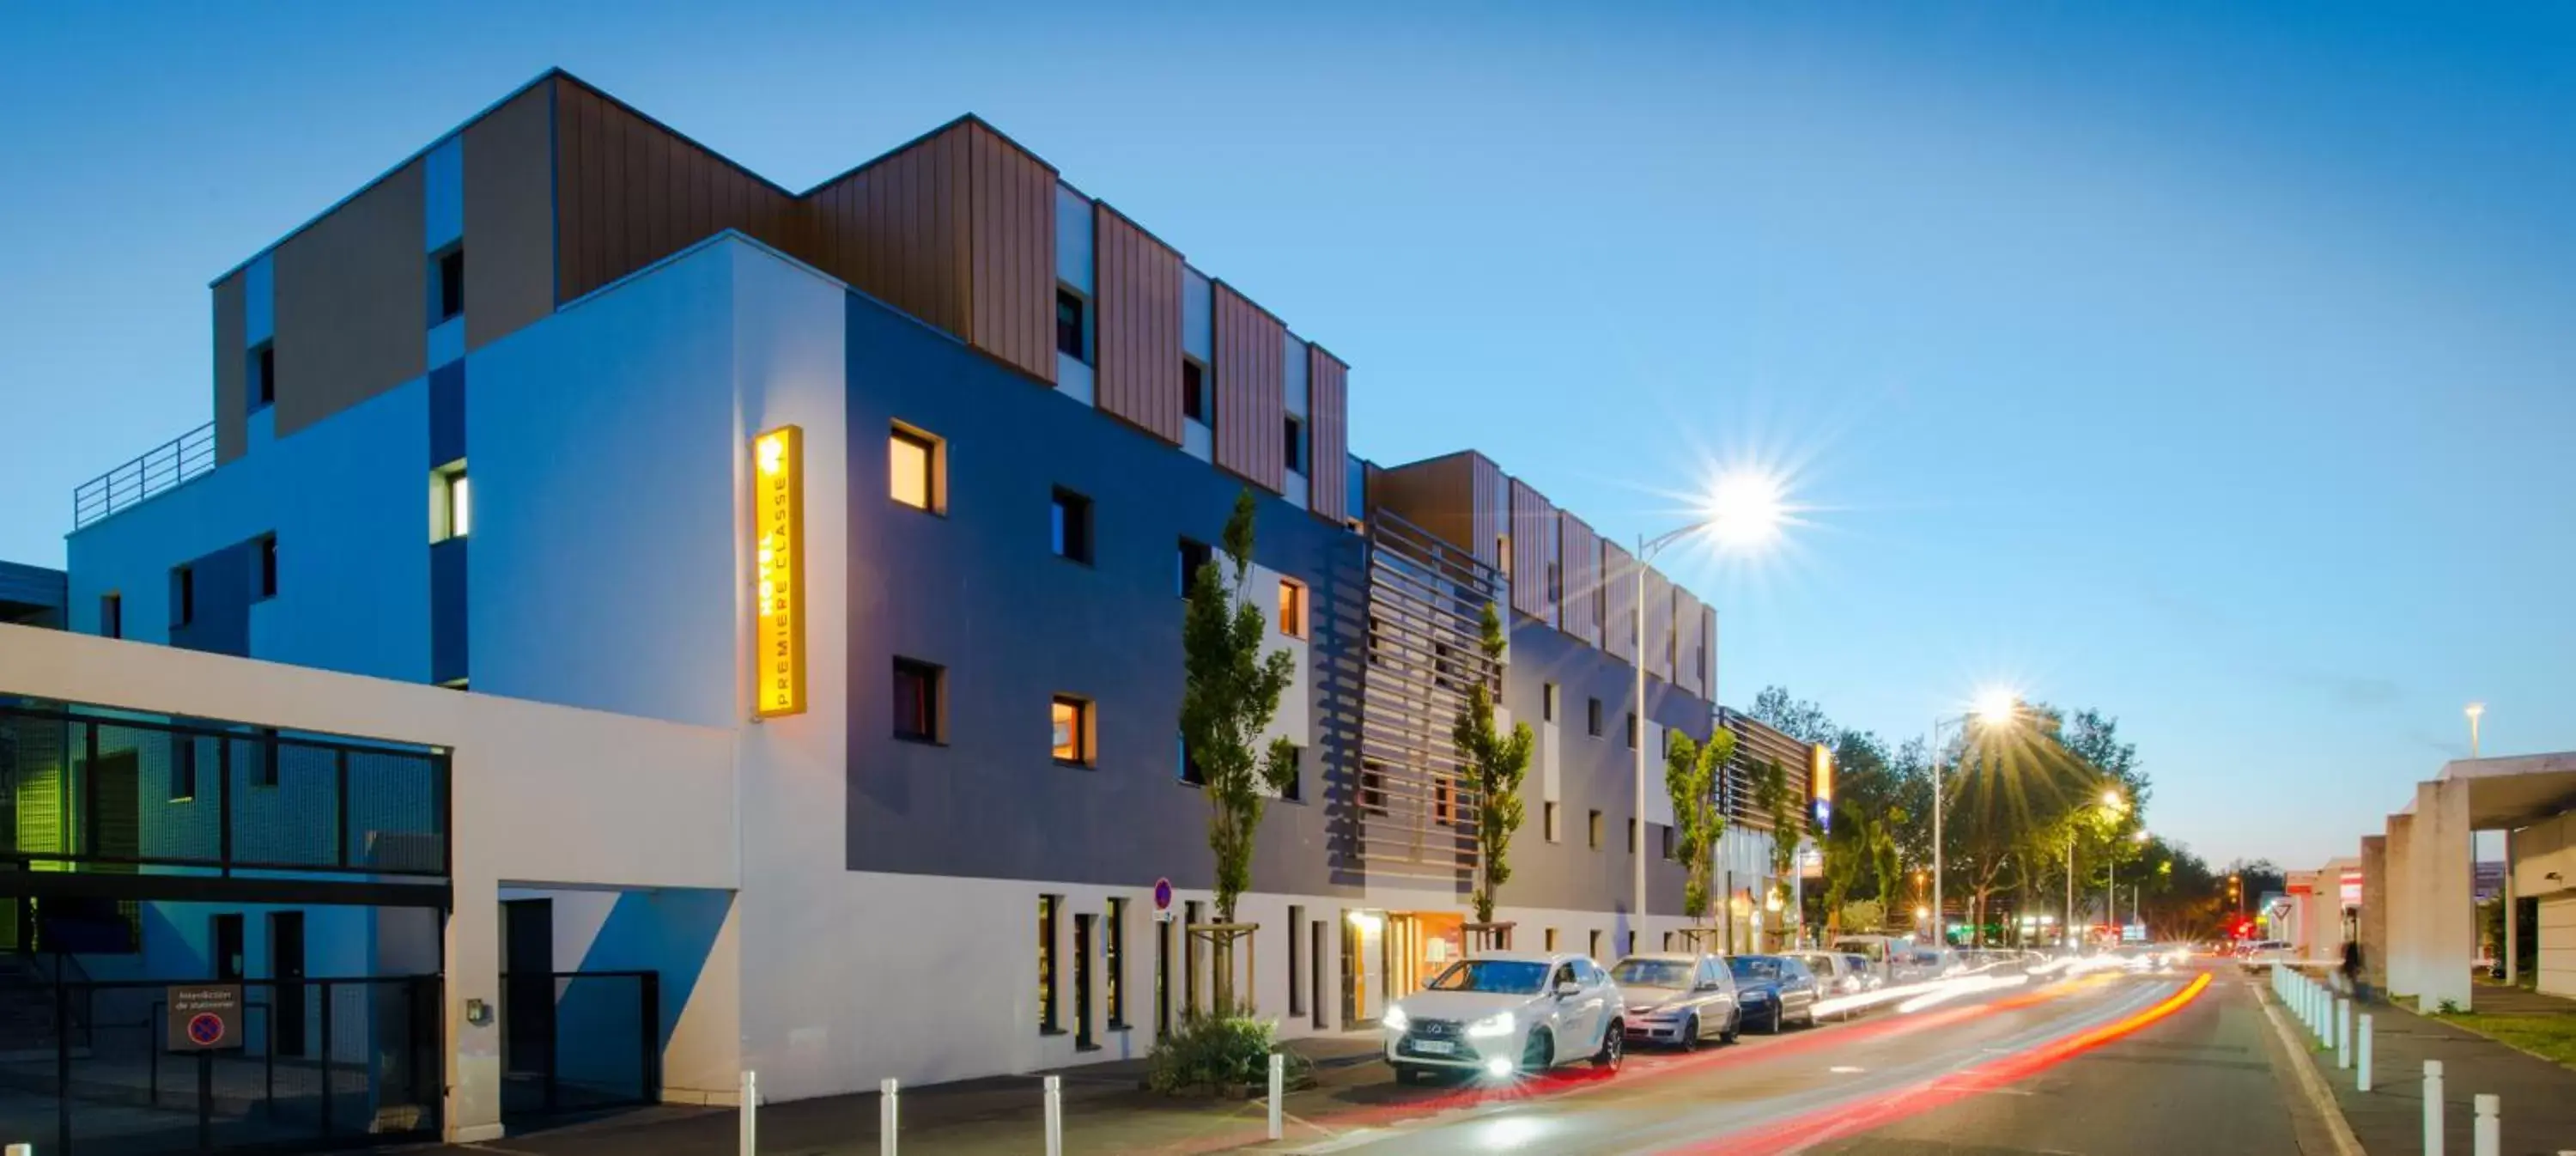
(160, 469)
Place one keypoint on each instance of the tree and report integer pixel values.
(1797, 718)
(1229, 692)
(1496, 763)
(1691, 769)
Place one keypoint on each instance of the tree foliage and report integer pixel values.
(1497, 763)
(1691, 770)
(1229, 692)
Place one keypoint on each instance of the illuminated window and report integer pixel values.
(1071, 718)
(1047, 1022)
(1292, 608)
(917, 469)
(451, 502)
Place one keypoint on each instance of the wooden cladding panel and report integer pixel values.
(1534, 554)
(1492, 495)
(1251, 412)
(1708, 650)
(352, 306)
(1580, 549)
(1328, 433)
(1433, 494)
(629, 192)
(1687, 672)
(1139, 280)
(1659, 625)
(510, 217)
(1618, 602)
(892, 230)
(1011, 231)
(232, 368)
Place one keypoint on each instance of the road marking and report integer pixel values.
(2319, 1096)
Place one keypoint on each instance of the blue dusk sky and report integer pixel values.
(2206, 364)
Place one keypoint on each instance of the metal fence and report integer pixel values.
(113, 791)
(324, 1062)
(160, 468)
(579, 1041)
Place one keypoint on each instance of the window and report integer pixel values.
(1555, 829)
(1444, 802)
(1669, 847)
(1189, 958)
(917, 469)
(1592, 717)
(1632, 730)
(1191, 772)
(267, 577)
(1072, 730)
(919, 701)
(1198, 402)
(447, 284)
(1547, 703)
(1596, 942)
(111, 616)
(1194, 556)
(1047, 1024)
(1296, 788)
(183, 768)
(265, 774)
(1082, 932)
(1668, 941)
(1372, 789)
(1594, 834)
(1071, 531)
(1551, 939)
(1296, 962)
(262, 372)
(1292, 608)
(1069, 325)
(183, 595)
(1114, 957)
(451, 503)
(1293, 443)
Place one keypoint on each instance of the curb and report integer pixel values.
(2319, 1095)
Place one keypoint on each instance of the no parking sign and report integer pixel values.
(205, 1017)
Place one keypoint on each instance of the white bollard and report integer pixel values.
(888, 1115)
(1278, 1084)
(2362, 1076)
(1055, 1116)
(750, 1112)
(2343, 1032)
(2432, 1108)
(2486, 1131)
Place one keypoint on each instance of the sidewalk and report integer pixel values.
(1105, 1111)
(2539, 1097)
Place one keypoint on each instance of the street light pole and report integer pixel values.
(1637, 740)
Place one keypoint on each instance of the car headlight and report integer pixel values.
(1497, 1024)
(1395, 1020)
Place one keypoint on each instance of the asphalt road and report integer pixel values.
(2111, 1065)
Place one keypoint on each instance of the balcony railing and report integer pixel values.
(159, 470)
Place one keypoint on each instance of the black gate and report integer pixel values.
(579, 1041)
(368, 1067)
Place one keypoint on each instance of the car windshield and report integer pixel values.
(1652, 973)
(1749, 968)
(1502, 976)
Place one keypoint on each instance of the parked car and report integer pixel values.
(2262, 954)
(1837, 973)
(1881, 952)
(1773, 991)
(1922, 962)
(1679, 999)
(1498, 1012)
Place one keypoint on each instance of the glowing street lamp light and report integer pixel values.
(1743, 512)
(1996, 708)
(2475, 711)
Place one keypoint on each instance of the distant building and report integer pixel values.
(31, 596)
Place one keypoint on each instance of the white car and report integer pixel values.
(1500, 1012)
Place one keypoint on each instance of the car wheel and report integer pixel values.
(1539, 1053)
(1811, 1015)
(1774, 1029)
(1690, 1033)
(1614, 1040)
(1734, 1026)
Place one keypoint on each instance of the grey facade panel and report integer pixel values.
(979, 592)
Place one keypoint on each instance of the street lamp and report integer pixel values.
(1743, 512)
(1995, 708)
(2111, 801)
(2475, 711)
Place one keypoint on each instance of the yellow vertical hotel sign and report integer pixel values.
(778, 553)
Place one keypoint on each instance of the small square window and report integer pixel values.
(1555, 828)
(1194, 555)
(262, 370)
(1071, 735)
(451, 503)
(183, 595)
(447, 285)
(1292, 608)
(1198, 402)
(917, 469)
(1071, 529)
(1547, 703)
(919, 700)
(1592, 717)
(111, 616)
(1070, 325)
(1293, 443)
(1595, 832)
(267, 576)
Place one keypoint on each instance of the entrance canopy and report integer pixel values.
(2514, 792)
